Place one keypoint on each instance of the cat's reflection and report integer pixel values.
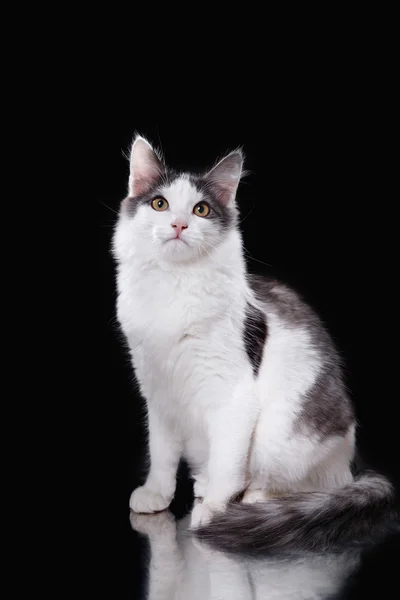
(181, 568)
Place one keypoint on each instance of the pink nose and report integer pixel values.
(179, 226)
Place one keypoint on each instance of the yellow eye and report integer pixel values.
(159, 204)
(201, 210)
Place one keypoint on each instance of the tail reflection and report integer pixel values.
(182, 568)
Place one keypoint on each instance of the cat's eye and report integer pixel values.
(159, 204)
(201, 209)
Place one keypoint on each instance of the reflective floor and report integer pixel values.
(178, 567)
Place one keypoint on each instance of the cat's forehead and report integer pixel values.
(181, 192)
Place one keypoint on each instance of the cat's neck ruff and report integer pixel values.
(226, 260)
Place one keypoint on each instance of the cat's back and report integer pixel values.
(300, 359)
(287, 307)
(285, 302)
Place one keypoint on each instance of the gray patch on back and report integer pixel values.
(254, 335)
(327, 408)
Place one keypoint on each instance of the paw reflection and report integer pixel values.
(153, 524)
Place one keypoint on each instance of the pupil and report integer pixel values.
(160, 203)
(200, 208)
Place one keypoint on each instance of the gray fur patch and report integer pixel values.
(327, 408)
(254, 335)
(223, 216)
(289, 306)
(227, 216)
(131, 204)
(317, 521)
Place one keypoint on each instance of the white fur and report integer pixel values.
(181, 305)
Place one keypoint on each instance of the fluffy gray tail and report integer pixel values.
(352, 515)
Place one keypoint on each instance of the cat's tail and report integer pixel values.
(355, 514)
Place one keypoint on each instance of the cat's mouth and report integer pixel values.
(176, 239)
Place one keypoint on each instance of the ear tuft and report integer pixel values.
(146, 167)
(224, 178)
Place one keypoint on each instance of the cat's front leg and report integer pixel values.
(165, 451)
(230, 431)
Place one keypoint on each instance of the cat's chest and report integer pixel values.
(184, 335)
(159, 310)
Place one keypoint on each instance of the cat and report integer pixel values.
(240, 376)
(178, 567)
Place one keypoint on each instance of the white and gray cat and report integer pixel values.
(239, 374)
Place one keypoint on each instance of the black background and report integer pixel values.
(318, 211)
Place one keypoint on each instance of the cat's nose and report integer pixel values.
(179, 225)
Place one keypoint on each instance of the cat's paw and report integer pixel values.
(145, 500)
(202, 514)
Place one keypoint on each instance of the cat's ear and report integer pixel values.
(146, 167)
(224, 178)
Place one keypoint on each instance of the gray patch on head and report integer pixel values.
(226, 216)
(327, 409)
(131, 204)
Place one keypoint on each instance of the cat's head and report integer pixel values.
(177, 217)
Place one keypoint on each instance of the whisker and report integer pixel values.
(251, 257)
(245, 217)
(205, 249)
(109, 207)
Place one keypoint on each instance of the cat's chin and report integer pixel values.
(176, 250)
